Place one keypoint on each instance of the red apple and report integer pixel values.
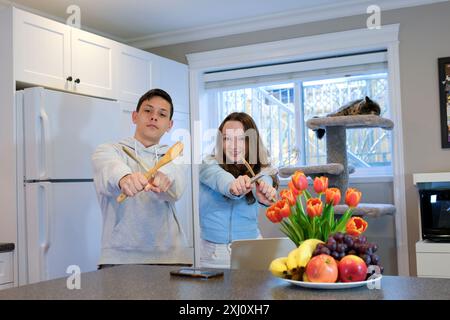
(352, 268)
(322, 268)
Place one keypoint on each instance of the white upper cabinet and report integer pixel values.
(58, 56)
(173, 77)
(94, 64)
(54, 55)
(135, 73)
(42, 50)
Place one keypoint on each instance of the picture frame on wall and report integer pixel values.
(444, 95)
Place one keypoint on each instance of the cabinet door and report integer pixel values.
(6, 286)
(41, 51)
(135, 73)
(94, 64)
(6, 267)
(173, 77)
(180, 132)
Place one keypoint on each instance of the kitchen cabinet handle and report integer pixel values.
(69, 78)
(77, 80)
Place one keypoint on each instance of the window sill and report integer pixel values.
(370, 179)
(355, 179)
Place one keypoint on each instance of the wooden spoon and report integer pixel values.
(249, 168)
(170, 155)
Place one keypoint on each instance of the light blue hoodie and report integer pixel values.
(223, 216)
(144, 228)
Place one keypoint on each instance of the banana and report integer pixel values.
(292, 260)
(305, 251)
(278, 267)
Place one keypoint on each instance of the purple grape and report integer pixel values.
(349, 242)
(362, 239)
(339, 236)
(325, 250)
(335, 255)
(320, 246)
(374, 247)
(331, 246)
(362, 248)
(340, 248)
(316, 252)
(341, 255)
(366, 258)
(347, 237)
(375, 259)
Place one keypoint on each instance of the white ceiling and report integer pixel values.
(149, 23)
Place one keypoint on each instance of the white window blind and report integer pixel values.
(317, 69)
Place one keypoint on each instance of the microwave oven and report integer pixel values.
(435, 210)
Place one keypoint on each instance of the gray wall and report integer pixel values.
(424, 36)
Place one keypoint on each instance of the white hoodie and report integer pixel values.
(144, 228)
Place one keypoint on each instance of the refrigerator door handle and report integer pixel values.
(47, 156)
(45, 244)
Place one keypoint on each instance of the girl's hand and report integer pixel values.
(265, 193)
(241, 185)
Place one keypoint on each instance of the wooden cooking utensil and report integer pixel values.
(142, 164)
(249, 168)
(170, 155)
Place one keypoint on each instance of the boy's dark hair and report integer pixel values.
(156, 93)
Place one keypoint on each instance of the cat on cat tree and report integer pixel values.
(361, 113)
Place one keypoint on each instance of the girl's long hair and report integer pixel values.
(255, 152)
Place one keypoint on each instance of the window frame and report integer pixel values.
(357, 40)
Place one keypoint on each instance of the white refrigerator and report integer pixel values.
(60, 221)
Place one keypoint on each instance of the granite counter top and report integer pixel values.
(155, 282)
(6, 247)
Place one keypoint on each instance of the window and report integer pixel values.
(273, 110)
(366, 148)
(281, 109)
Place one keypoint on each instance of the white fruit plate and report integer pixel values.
(373, 283)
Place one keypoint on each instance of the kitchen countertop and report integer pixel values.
(155, 282)
(6, 247)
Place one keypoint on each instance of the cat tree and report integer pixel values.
(337, 169)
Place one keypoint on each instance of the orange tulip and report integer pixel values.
(294, 190)
(285, 210)
(314, 207)
(288, 195)
(333, 196)
(320, 184)
(278, 211)
(352, 197)
(299, 180)
(355, 226)
(272, 215)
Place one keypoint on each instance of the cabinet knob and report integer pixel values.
(77, 80)
(69, 78)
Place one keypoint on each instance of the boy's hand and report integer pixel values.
(241, 185)
(133, 183)
(159, 183)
